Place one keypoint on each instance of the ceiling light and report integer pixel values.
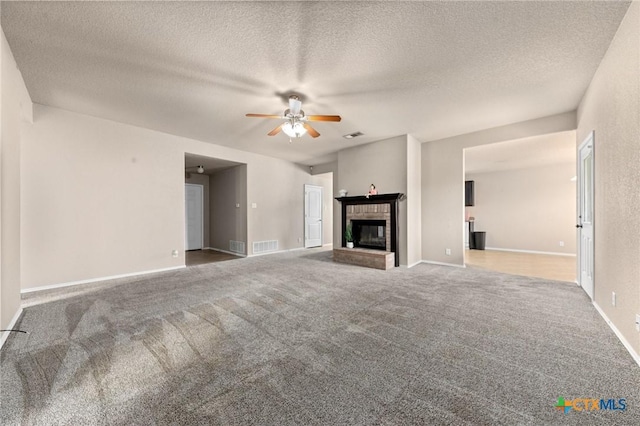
(353, 135)
(200, 169)
(294, 130)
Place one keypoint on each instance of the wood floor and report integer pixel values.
(561, 268)
(200, 257)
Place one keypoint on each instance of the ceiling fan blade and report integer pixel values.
(264, 115)
(312, 132)
(324, 118)
(275, 131)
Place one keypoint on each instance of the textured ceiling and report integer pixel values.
(555, 148)
(431, 69)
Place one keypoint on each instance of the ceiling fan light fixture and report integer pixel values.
(294, 130)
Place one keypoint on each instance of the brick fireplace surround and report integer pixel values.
(375, 207)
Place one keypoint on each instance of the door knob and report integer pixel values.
(578, 226)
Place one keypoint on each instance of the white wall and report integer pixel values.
(443, 182)
(414, 201)
(15, 109)
(611, 107)
(103, 198)
(527, 209)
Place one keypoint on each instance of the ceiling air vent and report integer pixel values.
(353, 135)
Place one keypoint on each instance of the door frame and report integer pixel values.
(186, 233)
(589, 140)
(306, 215)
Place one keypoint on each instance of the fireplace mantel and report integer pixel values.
(371, 199)
(390, 204)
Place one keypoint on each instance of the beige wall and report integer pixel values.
(228, 222)
(527, 209)
(443, 182)
(203, 180)
(15, 109)
(383, 163)
(611, 107)
(103, 198)
(100, 199)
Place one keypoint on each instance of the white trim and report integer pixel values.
(225, 251)
(12, 323)
(432, 262)
(93, 280)
(627, 345)
(552, 253)
(414, 264)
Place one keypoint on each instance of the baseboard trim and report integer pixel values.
(433, 262)
(552, 253)
(226, 251)
(12, 323)
(625, 342)
(414, 264)
(277, 251)
(93, 280)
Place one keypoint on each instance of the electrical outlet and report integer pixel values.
(561, 243)
(174, 253)
(299, 239)
(254, 205)
(237, 205)
(613, 298)
(638, 322)
(447, 252)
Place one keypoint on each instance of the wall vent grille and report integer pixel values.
(265, 246)
(236, 246)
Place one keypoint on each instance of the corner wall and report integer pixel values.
(15, 109)
(228, 188)
(611, 107)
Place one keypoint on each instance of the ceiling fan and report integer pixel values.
(295, 124)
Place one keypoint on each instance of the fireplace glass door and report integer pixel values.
(370, 234)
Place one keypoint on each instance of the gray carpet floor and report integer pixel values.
(294, 338)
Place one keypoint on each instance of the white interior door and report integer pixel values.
(194, 215)
(312, 216)
(585, 215)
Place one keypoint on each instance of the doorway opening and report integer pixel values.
(523, 206)
(224, 209)
(318, 210)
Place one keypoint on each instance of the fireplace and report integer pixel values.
(370, 234)
(374, 221)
